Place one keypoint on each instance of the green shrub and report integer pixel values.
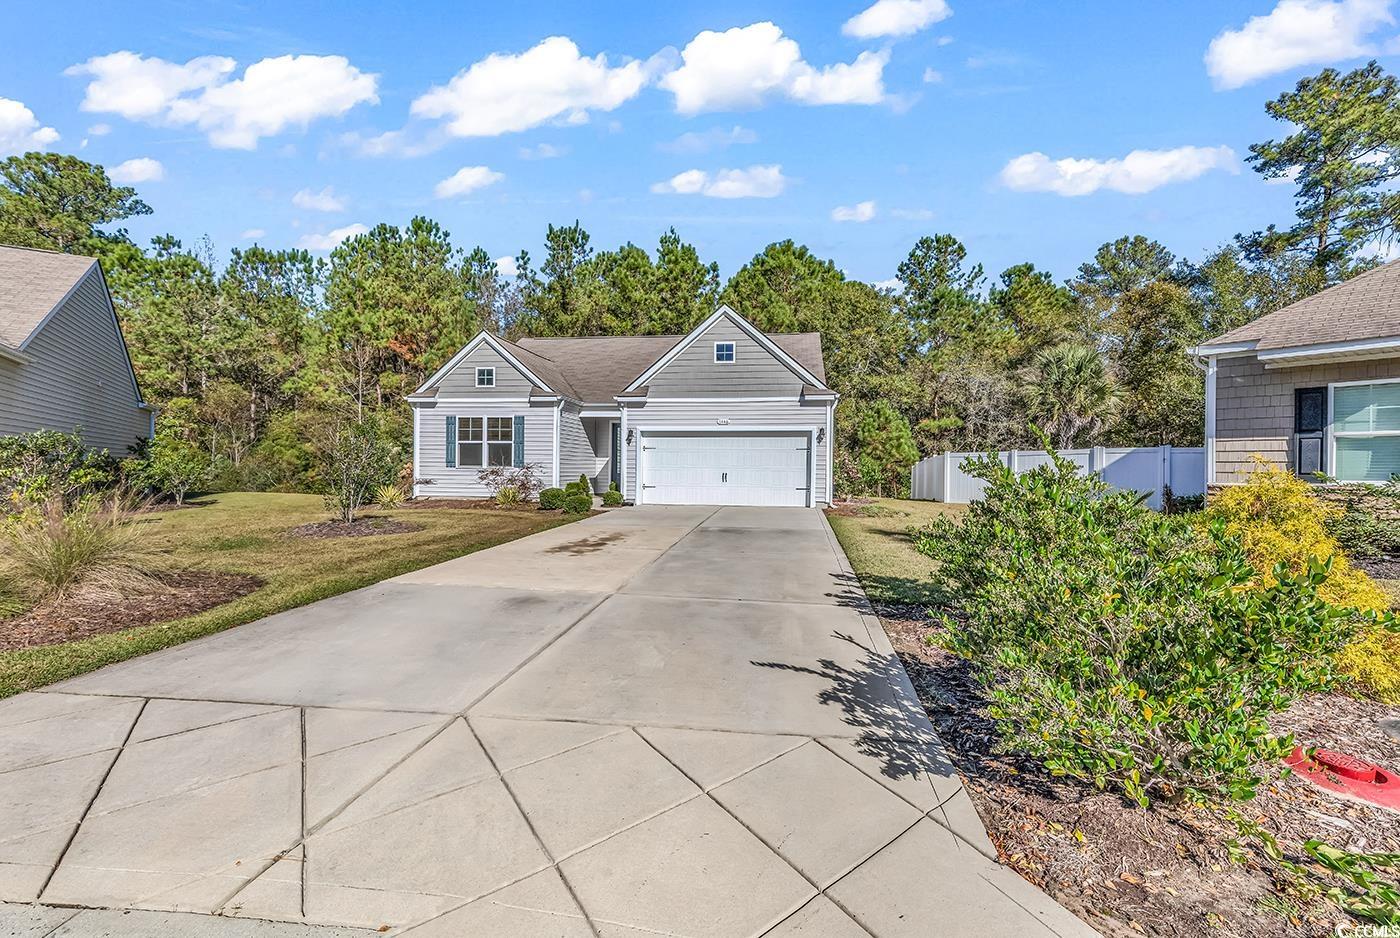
(576, 488)
(552, 499)
(578, 504)
(1368, 526)
(357, 460)
(37, 466)
(508, 495)
(1138, 651)
(388, 496)
(52, 548)
(612, 498)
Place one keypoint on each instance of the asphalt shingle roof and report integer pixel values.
(31, 284)
(595, 369)
(1365, 307)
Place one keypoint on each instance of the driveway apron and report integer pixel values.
(656, 721)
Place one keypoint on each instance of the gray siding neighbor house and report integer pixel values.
(63, 362)
(1314, 387)
(726, 415)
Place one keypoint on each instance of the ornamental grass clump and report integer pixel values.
(1137, 651)
(52, 549)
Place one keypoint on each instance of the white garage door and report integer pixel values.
(726, 468)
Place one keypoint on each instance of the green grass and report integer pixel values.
(243, 532)
(878, 545)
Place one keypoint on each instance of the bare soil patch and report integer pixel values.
(1382, 568)
(1166, 871)
(361, 527)
(173, 596)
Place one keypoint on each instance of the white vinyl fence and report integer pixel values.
(1149, 469)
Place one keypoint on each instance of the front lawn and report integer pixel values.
(875, 537)
(245, 533)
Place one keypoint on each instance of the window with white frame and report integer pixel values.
(485, 441)
(724, 352)
(1366, 430)
(486, 377)
(470, 442)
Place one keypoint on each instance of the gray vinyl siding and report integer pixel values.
(575, 448)
(433, 478)
(461, 380)
(753, 373)
(77, 375)
(795, 415)
(601, 434)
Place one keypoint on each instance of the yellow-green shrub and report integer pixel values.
(1279, 519)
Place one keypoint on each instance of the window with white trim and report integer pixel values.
(486, 377)
(724, 352)
(485, 441)
(1366, 431)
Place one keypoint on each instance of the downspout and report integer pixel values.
(1207, 365)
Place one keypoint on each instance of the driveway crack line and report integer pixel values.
(93, 800)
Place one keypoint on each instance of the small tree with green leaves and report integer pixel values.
(174, 466)
(886, 447)
(357, 461)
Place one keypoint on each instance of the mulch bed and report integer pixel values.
(1383, 568)
(362, 527)
(171, 596)
(480, 504)
(1166, 871)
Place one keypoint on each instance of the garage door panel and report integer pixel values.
(726, 468)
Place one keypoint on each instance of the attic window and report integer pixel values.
(486, 377)
(724, 352)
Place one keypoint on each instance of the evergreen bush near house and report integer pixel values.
(612, 497)
(1280, 521)
(1368, 525)
(1138, 651)
(578, 504)
(552, 499)
(46, 463)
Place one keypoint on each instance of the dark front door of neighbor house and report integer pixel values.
(616, 454)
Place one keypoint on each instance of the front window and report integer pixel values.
(1366, 431)
(500, 441)
(469, 440)
(486, 377)
(724, 352)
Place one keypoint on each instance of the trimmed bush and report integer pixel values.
(1138, 651)
(578, 504)
(612, 498)
(552, 499)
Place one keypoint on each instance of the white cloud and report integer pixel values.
(20, 130)
(252, 233)
(896, 18)
(716, 138)
(504, 93)
(467, 180)
(100, 130)
(755, 182)
(324, 201)
(1140, 171)
(391, 143)
(324, 242)
(506, 266)
(932, 76)
(141, 169)
(860, 212)
(1295, 33)
(743, 66)
(273, 95)
(542, 151)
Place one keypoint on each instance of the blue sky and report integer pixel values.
(737, 123)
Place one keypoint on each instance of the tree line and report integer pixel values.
(252, 354)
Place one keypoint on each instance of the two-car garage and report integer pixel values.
(726, 467)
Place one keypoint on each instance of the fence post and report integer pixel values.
(1098, 461)
(1013, 456)
(946, 482)
(1164, 475)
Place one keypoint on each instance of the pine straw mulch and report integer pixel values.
(1163, 872)
(360, 527)
(168, 596)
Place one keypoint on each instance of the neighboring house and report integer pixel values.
(723, 416)
(63, 361)
(1314, 386)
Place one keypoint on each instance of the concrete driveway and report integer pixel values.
(657, 721)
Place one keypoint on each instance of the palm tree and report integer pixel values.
(1069, 392)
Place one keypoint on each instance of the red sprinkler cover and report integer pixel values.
(1348, 776)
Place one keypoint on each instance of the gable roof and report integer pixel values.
(1366, 307)
(595, 369)
(32, 283)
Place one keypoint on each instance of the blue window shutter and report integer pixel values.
(451, 442)
(519, 437)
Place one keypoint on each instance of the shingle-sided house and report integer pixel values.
(63, 362)
(725, 415)
(1314, 386)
